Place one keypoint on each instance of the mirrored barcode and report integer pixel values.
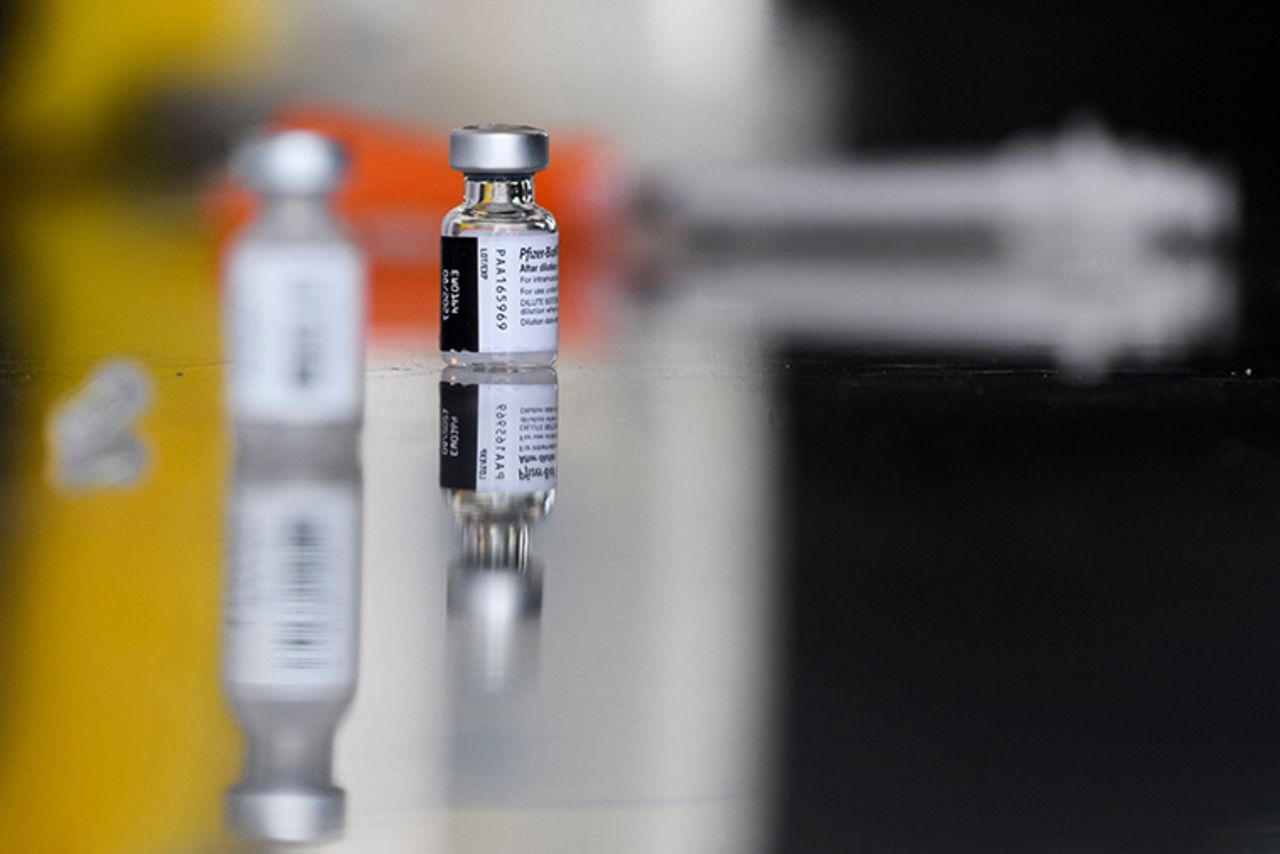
(302, 633)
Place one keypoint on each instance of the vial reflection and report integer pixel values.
(290, 633)
(498, 443)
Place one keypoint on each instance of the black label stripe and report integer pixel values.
(459, 423)
(459, 295)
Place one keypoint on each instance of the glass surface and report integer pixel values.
(798, 592)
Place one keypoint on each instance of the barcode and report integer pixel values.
(307, 337)
(302, 633)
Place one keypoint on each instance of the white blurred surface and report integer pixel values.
(645, 722)
(664, 79)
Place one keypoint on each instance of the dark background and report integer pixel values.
(1029, 615)
(941, 74)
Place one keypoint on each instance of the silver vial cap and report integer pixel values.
(298, 162)
(498, 149)
(288, 815)
(494, 595)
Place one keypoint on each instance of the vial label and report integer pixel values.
(498, 438)
(292, 592)
(499, 293)
(296, 320)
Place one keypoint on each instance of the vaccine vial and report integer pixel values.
(294, 294)
(499, 253)
(290, 634)
(498, 448)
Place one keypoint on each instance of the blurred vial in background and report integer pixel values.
(291, 632)
(294, 295)
(498, 446)
(499, 253)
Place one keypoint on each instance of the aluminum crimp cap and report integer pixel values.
(291, 161)
(498, 149)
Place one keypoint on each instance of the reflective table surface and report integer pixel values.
(709, 587)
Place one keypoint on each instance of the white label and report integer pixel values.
(296, 331)
(293, 585)
(518, 291)
(517, 438)
(498, 437)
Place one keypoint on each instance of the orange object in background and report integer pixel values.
(400, 186)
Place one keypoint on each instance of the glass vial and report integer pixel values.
(499, 253)
(294, 295)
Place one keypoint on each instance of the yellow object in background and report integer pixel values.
(76, 65)
(113, 733)
(114, 736)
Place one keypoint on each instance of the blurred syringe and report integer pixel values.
(1082, 245)
(1029, 201)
